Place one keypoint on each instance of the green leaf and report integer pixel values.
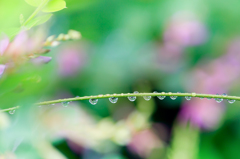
(54, 5)
(37, 21)
(21, 18)
(11, 32)
(34, 3)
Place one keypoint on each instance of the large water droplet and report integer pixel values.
(173, 97)
(160, 97)
(209, 98)
(133, 98)
(224, 94)
(188, 98)
(12, 111)
(93, 101)
(113, 99)
(218, 100)
(231, 101)
(65, 104)
(147, 98)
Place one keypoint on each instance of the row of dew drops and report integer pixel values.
(147, 98)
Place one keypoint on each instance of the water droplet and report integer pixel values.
(173, 97)
(209, 98)
(218, 100)
(188, 98)
(11, 111)
(113, 99)
(93, 101)
(132, 98)
(53, 104)
(160, 97)
(201, 97)
(65, 104)
(224, 94)
(231, 101)
(147, 98)
(77, 97)
(100, 95)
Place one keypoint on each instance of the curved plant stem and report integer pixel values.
(39, 8)
(131, 94)
(9, 109)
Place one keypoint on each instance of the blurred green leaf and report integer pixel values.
(54, 5)
(21, 19)
(11, 32)
(34, 3)
(37, 21)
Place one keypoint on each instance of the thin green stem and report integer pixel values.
(132, 94)
(39, 8)
(9, 109)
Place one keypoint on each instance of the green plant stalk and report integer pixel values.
(131, 94)
(9, 109)
(39, 8)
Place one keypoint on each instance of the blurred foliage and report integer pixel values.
(142, 45)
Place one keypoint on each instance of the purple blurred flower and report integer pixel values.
(24, 45)
(3, 44)
(216, 77)
(182, 31)
(70, 61)
(41, 60)
(169, 52)
(185, 30)
(202, 113)
(144, 142)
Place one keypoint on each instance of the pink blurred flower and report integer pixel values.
(144, 142)
(3, 44)
(213, 78)
(41, 60)
(169, 52)
(184, 30)
(70, 61)
(202, 113)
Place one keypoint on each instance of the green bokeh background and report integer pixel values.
(119, 49)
